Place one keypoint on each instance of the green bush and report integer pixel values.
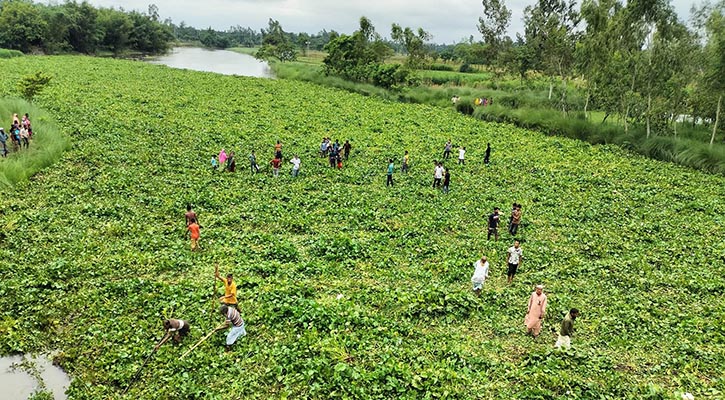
(465, 68)
(7, 53)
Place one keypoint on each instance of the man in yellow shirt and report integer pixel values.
(230, 289)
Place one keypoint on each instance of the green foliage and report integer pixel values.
(6, 53)
(31, 85)
(94, 256)
(466, 68)
(276, 45)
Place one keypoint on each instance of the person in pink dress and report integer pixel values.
(222, 158)
(536, 312)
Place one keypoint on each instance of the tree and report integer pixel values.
(493, 25)
(116, 27)
(21, 26)
(413, 42)
(84, 34)
(276, 44)
(550, 31)
(713, 76)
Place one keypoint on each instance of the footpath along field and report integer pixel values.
(349, 289)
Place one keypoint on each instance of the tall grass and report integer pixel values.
(681, 150)
(6, 53)
(46, 146)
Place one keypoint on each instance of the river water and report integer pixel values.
(16, 383)
(220, 61)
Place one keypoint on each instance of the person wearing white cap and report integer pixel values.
(536, 312)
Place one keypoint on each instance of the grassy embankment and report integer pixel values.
(526, 104)
(349, 289)
(46, 145)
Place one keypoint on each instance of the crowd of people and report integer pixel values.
(478, 101)
(19, 134)
(336, 153)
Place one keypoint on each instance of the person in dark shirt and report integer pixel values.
(487, 156)
(493, 221)
(346, 149)
(567, 329)
(446, 180)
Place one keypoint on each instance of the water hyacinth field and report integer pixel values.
(349, 289)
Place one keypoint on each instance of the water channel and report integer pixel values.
(22, 376)
(220, 61)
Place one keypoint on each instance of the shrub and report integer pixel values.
(465, 68)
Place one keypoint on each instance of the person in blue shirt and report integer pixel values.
(391, 167)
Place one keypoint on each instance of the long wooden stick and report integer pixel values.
(204, 338)
(163, 340)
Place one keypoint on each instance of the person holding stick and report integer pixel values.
(178, 328)
(236, 322)
(230, 289)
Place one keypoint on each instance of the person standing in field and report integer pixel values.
(437, 175)
(276, 164)
(177, 327)
(190, 215)
(447, 180)
(230, 288)
(3, 141)
(487, 156)
(567, 329)
(231, 163)
(346, 149)
(404, 167)
(25, 137)
(391, 167)
(461, 155)
(236, 322)
(253, 162)
(447, 150)
(278, 151)
(536, 311)
(323, 147)
(332, 157)
(295, 166)
(222, 158)
(514, 258)
(193, 230)
(214, 163)
(480, 273)
(16, 120)
(515, 219)
(493, 221)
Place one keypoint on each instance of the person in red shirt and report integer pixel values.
(276, 164)
(193, 230)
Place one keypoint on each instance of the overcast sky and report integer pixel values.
(448, 21)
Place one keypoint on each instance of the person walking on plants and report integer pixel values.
(214, 163)
(276, 164)
(278, 150)
(193, 230)
(346, 149)
(536, 311)
(567, 329)
(391, 167)
(447, 180)
(406, 159)
(493, 221)
(178, 328)
(514, 257)
(461, 155)
(487, 156)
(438, 175)
(295, 165)
(447, 150)
(515, 220)
(190, 215)
(3, 141)
(480, 273)
(230, 288)
(231, 162)
(253, 162)
(234, 319)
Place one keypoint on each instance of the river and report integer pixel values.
(220, 61)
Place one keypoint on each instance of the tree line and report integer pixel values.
(80, 27)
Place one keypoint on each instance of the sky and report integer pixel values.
(449, 21)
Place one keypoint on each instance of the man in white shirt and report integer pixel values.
(461, 154)
(515, 255)
(480, 273)
(295, 165)
(438, 175)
